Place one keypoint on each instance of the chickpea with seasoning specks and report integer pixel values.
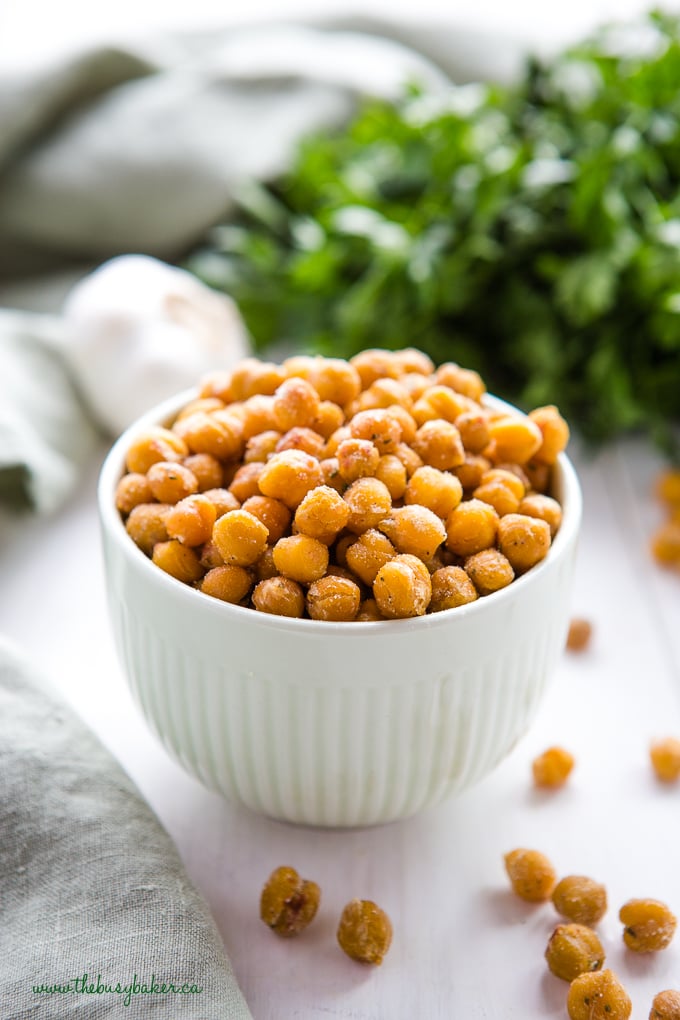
(451, 587)
(289, 476)
(666, 1006)
(414, 529)
(288, 903)
(240, 537)
(439, 491)
(191, 520)
(402, 588)
(170, 481)
(489, 571)
(132, 489)
(580, 899)
(228, 583)
(146, 525)
(333, 598)
(279, 596)
(322, 514)
(598, 995)
(368, 553)
(364, 932)
(524, 540)
(649, 925)
(531, 874)
(357, 458)
(573, 949)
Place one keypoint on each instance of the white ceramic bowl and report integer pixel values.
(334, 724)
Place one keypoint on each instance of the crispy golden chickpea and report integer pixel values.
(598, 995)
(178, 560)
(364, 932)
(301, 438)
(322, 514)
(406, 420)
(289, 476)
(379, 426)
(369, 612)
(206, 433)
(666, 1006)
(666, 544)
(665, 758)
(279, 596)
(256, 415)
(415, 383)
(153, 445)
(375, 364)
(473, 426)
(538, 475)
(574, 949)
(170, 482)
(222, 499)
(369, 502)
(451, 587)
(301, 558)
(649, 925)
(462, 380)
(296, 402)
(439, 491)
(334, 440)
(553, 767)
(531, 874)
(524, 540)
(335, 380)
(471, 527)
(667, 488)
(580, 899)
(240, 537)
(410, 359)
(265, 566)
(300, 366)
(329, 418)
(209, 556)
(402, 588)
(543, 507)
(384, 393)
(510, 477)
(414, 529)
(191, 520)
(409, 458)
(274, 514)
(206, 469)
(489, 571)
(554, 431)
(132, 489)
(368, 554)
(392, 473)
(516, 438)
(146, 525)
(228, 583)
(580, 632)
(252, 377)
(216, 385)
(445, 402)
(333, 598)
(357, 458)
(499, 495)
(207, 404)
(288, 903)
(438, 443)
(471, 471)
(330, 474)
(245, 482)
(423, 411)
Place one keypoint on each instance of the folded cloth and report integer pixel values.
(97, 911)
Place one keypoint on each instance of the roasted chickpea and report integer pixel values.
(409, 458)
(178, 560)
(649, 925)
(170, 481)
(473, 426)
(369, 502)
(462, 380)
(392, 473)
(489, 571)
(516, 438)
(357, 458)
(216, 385)
(554, 432)
(369, 612)
(206, 433)
(471, 471)
(289, 476)
(598, 995)
(579, 635)
(334, 440)
(580, 899)
(274, 514)
(531, 874)
(439, 491)
(330, 474)
(322, 514)
(666, 1006)
(384, 393)
(300, 366)
(402, 588)
(335, 380)
(222, 499)
(228, 583)
(364, 932)
(471, 527)
(553, 767)
(414, 529)
(445, 402)
(368, 554)
(573, 949)
(295, 402)
(665, 759)
(191, 520)
(410, 359)
(206, 469)
(301, 438)
(379, 426)
(146, 525)
(301, 558)
(288, 903)
(132, 489)
(333, 597)
(451, 587)
(406, 420)
(438, 443)
(538, 475)
(256, 415)
(265, 566)
(524, 540)
(240, 537)
(329, 418)
(279, 596)
(375, 364)
(543, 507)
(666, 544)
(152, 446)
(246, 481)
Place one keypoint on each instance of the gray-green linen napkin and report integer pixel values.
(96, 911)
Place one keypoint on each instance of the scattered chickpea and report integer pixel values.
(553, 767)
(531, 874)
(665, 758)
(288, 903)
(364, 932)
(598, 995)
(580, 899)
(580, 632)
(649, 925)
(666, 1006)
(573, 949)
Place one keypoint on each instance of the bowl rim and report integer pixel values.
(113, 526)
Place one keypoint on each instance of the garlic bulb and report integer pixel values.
(138, 331)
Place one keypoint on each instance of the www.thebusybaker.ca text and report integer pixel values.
(85, 986)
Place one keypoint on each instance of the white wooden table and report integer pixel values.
(464, 946)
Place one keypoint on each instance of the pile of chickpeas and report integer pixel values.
(371, 489)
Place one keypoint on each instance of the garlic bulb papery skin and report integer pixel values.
(139, 330)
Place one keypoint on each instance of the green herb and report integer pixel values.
(532, 233)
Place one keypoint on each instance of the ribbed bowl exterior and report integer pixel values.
(336, 724)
